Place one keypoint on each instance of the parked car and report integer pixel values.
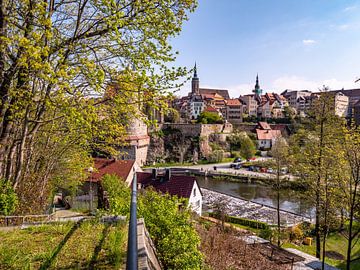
(238, 166)
(236, 162)
(251, 159)
(270, 170)
(263, 170)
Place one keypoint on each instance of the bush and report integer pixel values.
(8, 198)
(170, 228)
(209, 118)
(216, 156)
(266, 233)
(235, 154)
(296, 233)
(243, 221)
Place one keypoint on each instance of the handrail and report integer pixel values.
(132, 250)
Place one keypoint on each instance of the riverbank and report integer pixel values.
(251, 210)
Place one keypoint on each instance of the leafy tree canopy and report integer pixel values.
(73, 74)
(209, 118)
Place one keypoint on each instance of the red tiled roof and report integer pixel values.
(120, 168)
(179, 185)
(211, 109)
(222, 92)
(267, 134)
(233, 102)
(264, 125)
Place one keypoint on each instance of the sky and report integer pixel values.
(291, 44)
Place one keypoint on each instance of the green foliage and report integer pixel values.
(209, 118)
(73, 76)
(8, 198)
(266, 233)
(248, 148)
(216, 156)
(243, 221)
(296, 233)
(118, 194)
(173, 116)
(171, 229)
(235, 140)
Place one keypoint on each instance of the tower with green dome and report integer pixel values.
(257, 90)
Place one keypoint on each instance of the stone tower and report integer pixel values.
(257, 90)
(137, 141)
(195, 83)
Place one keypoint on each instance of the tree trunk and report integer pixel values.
(278, 202)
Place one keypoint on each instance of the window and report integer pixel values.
(194, 192)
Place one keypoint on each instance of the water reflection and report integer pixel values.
(289, 200)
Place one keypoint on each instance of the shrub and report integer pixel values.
(243, 221)
(216, 156)
(266, 233)
(8, 198)
(296, 233)
(170, 228)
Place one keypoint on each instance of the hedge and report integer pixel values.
(243, 221)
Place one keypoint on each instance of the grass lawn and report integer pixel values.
(254, 230)
(89, 245)
(335, 242)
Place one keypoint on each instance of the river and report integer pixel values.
(292, 201)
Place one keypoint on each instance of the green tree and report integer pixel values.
(169, 226)
(210, 118)
(248, 148)
(235, 141)
(171, 229)
(8, 198)
(72, 75)
(315, 154)
(350, 187)
(280, 153)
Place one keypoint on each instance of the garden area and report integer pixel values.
(83, 245)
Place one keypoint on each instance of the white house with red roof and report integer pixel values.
(266, 136)
(92, 189)
(182, 186)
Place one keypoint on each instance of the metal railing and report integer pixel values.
(132, 249)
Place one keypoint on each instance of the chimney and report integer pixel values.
(167, 174)
(154, 174)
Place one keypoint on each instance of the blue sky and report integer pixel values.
(295, 44)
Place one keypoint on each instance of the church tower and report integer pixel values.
(257, 90)
(195, 83)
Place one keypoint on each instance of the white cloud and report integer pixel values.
(343, 27)
(308, 41)
(301, 83)
(350, 8)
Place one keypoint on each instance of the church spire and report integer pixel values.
(257, 89)
(195, 71)
(195, 82)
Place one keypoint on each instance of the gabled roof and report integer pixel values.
(211, 109)
(178, 185)
(120, 168)
(267, 134)
(233, 102)
(264, 125)
(222, 92)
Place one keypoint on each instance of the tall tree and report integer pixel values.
(315, 156)
(279, 152)
(350, 187)
(57, 58)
